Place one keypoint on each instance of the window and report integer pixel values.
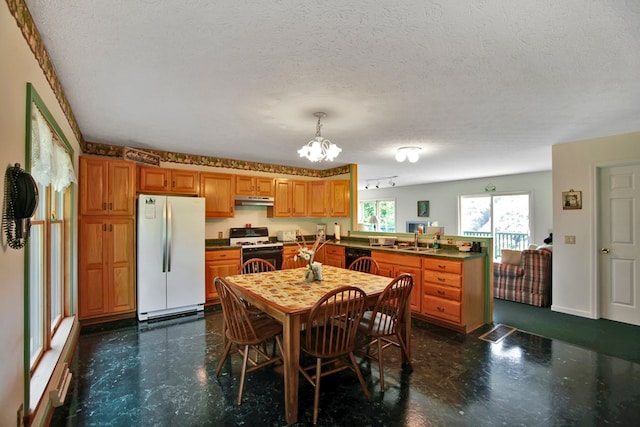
(505, 217)
(49, 248)
(377, 215)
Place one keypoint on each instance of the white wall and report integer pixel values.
(17, 67)
(575, 269)
(443, 199)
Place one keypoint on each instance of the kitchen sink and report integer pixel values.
(416, 249)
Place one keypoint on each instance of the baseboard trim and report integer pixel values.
(571, 311)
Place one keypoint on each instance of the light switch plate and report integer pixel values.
(570, 240)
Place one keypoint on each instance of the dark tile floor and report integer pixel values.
(162, 374)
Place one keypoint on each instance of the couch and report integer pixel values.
(524, 276)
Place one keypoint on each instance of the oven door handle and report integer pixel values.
(262, 252)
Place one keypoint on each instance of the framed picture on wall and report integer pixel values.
(423, 208)
(572, 199)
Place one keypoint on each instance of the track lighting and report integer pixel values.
(383, 179)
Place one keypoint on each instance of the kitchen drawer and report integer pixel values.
(441, 308)
(442, 278)
(222, 255)
(397, 259)
(442, 265)
(334, 250)
(442, 291)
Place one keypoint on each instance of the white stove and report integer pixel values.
(252, 237)
(255, 243)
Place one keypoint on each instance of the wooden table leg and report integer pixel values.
(291, 348)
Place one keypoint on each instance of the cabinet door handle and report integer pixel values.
(442, 279)
(223, 255)
(104, 227)
(442, 266)
(104, 206)
(110, 227)
(440, 292)
(110, 206)
(441, 309)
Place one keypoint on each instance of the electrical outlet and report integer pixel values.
(570, 240)
(20, 417)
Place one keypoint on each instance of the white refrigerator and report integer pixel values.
(170, 255)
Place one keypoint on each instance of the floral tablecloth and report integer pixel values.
(289, 290)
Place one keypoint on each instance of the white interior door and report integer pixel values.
(619, 237)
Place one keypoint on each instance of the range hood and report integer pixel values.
(254, 201)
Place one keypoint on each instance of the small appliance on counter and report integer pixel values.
(286, 236)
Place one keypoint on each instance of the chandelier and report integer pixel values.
(410, 153)
(319, 148)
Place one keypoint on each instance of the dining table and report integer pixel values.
(286, 296)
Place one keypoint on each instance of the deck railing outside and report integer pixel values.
(515, 241)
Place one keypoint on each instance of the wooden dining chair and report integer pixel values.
(366, 264)
(256, 265)
(293, 262)
(330, 335)
(383, 324)
(246, 333)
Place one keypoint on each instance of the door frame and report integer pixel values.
(594, 241)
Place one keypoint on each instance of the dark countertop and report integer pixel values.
(448, 251)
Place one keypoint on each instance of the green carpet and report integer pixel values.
(604, 336)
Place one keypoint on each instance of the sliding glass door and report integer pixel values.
(505, 217)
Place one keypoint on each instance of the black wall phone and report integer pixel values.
(20, 202)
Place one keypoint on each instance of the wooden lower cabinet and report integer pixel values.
(391, 265)
(453, 292)
(106, 265)
(334, 255)
(224, 262)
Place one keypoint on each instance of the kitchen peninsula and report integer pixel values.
(451, 288)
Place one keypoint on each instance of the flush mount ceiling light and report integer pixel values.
(410, 153)
(319, 149)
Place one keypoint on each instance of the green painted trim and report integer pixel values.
(26, 365)
(34, 99)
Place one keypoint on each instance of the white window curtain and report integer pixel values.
(50, 162)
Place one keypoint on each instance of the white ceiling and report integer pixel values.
(484, 87)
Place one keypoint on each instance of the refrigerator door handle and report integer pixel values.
(164, 238)
(169, 235)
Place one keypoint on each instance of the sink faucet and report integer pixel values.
(415, 240)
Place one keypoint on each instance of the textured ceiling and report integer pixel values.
(484, 87)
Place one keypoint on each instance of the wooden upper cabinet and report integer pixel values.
(339, 198)
(282, 199)
(247, 185)
(290, 199)
(328, 198)
(167, 181)
(107, 186)
(219, 192)
(317, 198)
(299, 198)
